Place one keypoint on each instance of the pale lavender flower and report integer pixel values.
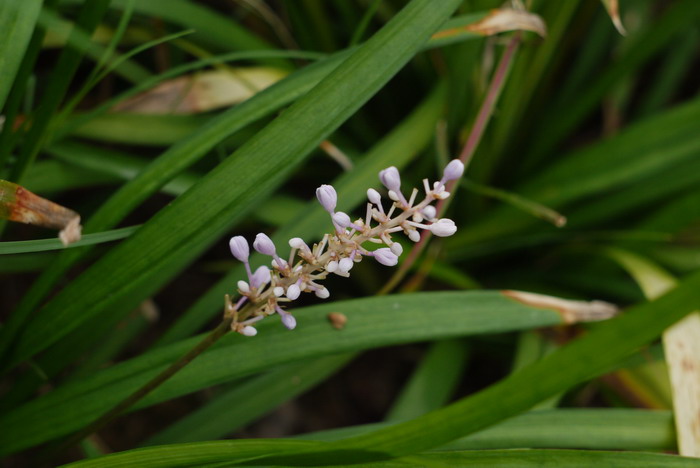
(327, 197)
(343, 220)
(453, 171)
(391, 179)
(260, 277)
(249, 331)
(336, 252)
(385, 256)
(443, 227)
(264, 245)
(293, 291)
(239, 248)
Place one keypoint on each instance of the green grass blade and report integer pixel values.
(555, 458)
(78, 39)
(433, 381)
(372, 322)
(595, 429)
(640, 152)
(226, 413)
(89, 17)
(44, 245)
(117, 164)
(48, 177)
(562, 120)
(17, 20)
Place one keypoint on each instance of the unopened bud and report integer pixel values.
(386, 257)
(453, 170)
(249, 331)
(331, 266)
(264, 245)
(298, 243)
(391, 179)
(345, 265)
(322, 293)
(443, 227)
(429, 212)
(239, 248)
(327, 197)
(396, 248)
(260, 277)
(293, 292)
(374, 196)
(243, 286)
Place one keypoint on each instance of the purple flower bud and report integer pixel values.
(343, 220)
(385, 256)
(345, 265)
(331, 266)
(374, 196)
(443, 227)
(414, 235)
(260, 277)
(391, 179)
(396, 248)
(298, 243)
(288, 321)
(278, 291)
(453, 170)
(327, 197)
(239, 248)
(322, 293)
(293, 292)
(429, 212)
(243, 286)
(249, 331)
(264, 245)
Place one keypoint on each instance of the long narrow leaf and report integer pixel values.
(378, 321)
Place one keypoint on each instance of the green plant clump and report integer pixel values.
(533, 303)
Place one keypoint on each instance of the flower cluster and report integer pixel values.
(269, 289)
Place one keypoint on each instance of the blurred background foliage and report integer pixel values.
(148, 118)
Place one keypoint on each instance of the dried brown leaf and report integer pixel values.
(571, 311)
(498, 21)
(20, 205)
(202, 92)
(614, 11)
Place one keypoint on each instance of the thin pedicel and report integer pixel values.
(269, 289)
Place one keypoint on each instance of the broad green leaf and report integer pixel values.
(596, 429)
(372, 322)
(17, 20)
